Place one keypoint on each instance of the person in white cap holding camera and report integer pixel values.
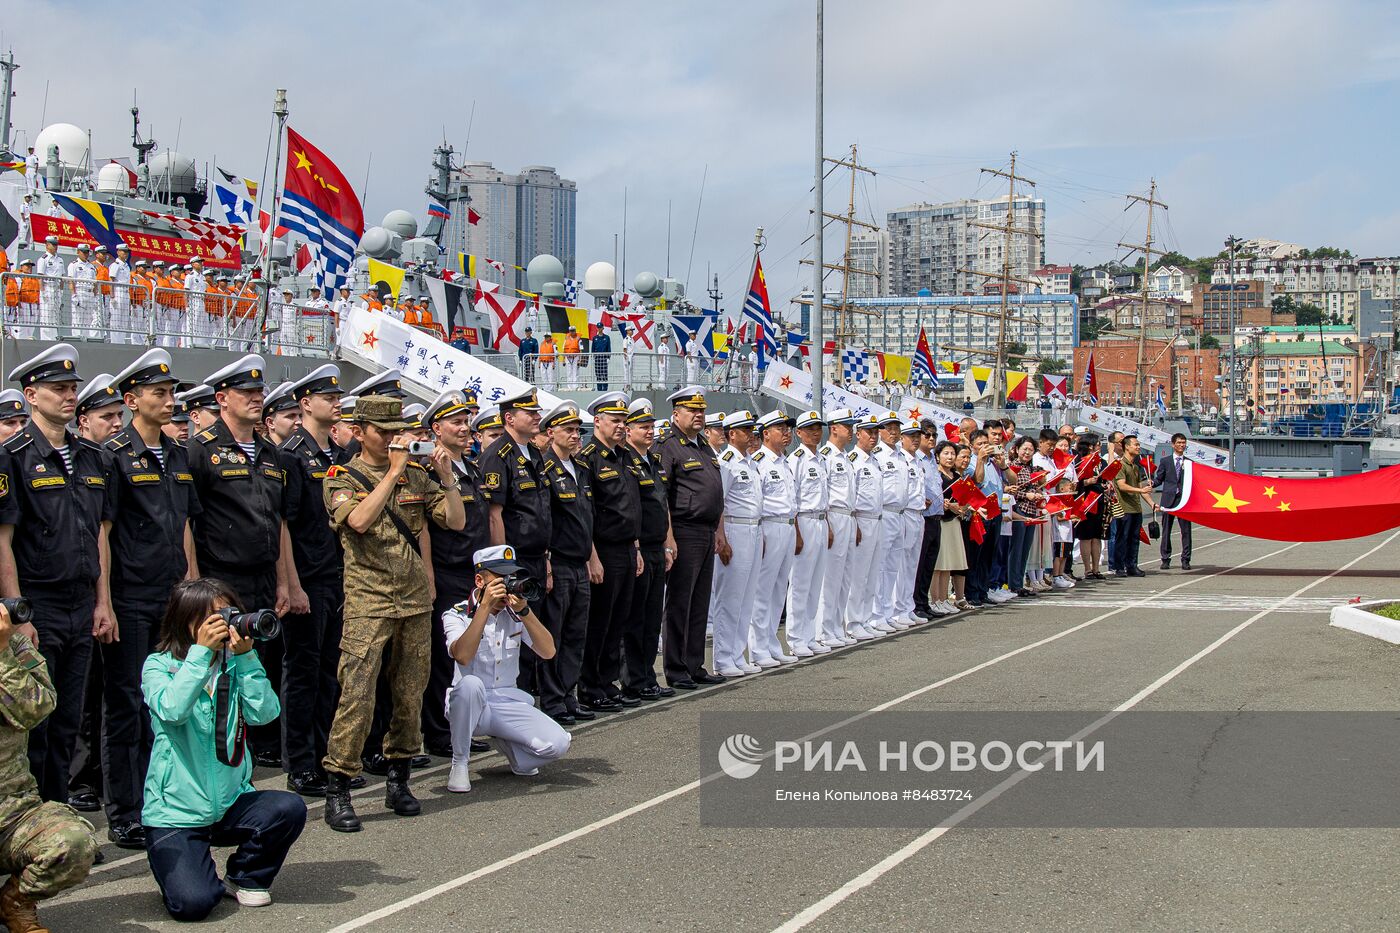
(484, 634)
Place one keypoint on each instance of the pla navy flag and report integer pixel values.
(319, 203)
(757, 310)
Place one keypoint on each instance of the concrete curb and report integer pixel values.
(1356, 617)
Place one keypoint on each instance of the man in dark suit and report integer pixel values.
(1170, 475)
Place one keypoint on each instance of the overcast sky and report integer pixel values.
(1256, 118)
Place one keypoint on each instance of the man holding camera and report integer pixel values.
(56, 511)
(378, 504)
(45, 848)
(484, 636)
(152, 550)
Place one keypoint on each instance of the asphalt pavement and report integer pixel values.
(610, 837)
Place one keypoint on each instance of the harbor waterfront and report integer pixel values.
(469, 472)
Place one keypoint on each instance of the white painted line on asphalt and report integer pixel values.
(868, 877)
(428, 894)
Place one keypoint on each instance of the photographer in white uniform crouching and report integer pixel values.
(483, 636)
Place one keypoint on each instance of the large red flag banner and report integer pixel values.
(1329, 508)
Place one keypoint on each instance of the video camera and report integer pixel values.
(260, 625)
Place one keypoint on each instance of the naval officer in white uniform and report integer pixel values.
(809, 472)
(836, 577)
(484, 634)
(736, 577)
(866, 499)
(779, 532)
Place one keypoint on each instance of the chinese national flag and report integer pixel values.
(1330, 508)
(976, 530)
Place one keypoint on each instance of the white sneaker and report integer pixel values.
(252, 897)
(1060, 583)
(531, 773)
(801, 651)
(787, 658)
(766, 662)
(880, 627)
(861, 633)
(459, 781)
(849, 638)
(945, 608)
(997, 596)
(731, 672)
(1010, 593)
(749, 668)
(820, 647)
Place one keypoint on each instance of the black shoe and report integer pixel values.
(478, 747)
(98, 858)
(601, 705)
(266, 759)
(923, 613)
(307, 783)
(340, 812)
(85, 802)
(705, 678)
(1185, 565)
(357, 782)
(1025, 591)
(684, 684)
(650, 694)
(1166, 565)
(127, 835)
(662, 692)
(624, 700)
(438, 751)
(579, 713)
(419, 761)
(1136, 573)
(375, 764)
(565, 718)
(397, 796)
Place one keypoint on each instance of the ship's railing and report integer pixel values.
(614, 370)
(76, 309)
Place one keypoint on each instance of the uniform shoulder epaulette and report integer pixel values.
(587, 450)
(727, 456)
(851, 456)
(17, 442)
(295, 441)
(826, 450)
(206, 436)
(91, 445)
(759, 456)
(119, 441)
(505, 449)
(800, 452)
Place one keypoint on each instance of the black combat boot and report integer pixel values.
(397, 796)
(340, 812)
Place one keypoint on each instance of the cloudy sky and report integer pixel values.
(1256, 118)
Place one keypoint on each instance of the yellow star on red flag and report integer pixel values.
(1269, 492)
(1283, 507)
(1227, 500)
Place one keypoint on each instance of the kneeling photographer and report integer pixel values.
(204, 687)
(484, 635)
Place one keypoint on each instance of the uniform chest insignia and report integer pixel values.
(39, 468)
(774, 475)
(214, 459)
(811, 471)
(744, 475)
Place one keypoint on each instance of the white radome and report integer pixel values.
(113, 177)
(72, 143)
(600, 279)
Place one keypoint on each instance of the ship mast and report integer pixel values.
(1140, 381)
(7, 80)
(279, 112)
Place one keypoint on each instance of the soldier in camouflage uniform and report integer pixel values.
(378, 504)
(44, 847)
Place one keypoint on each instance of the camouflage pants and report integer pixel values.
(361, 653)
(46, 846)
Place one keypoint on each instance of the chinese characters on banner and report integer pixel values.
(1103, 423)
(380, 342)
(148, 246)
(793, 385)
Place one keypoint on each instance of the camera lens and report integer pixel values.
(21, 610)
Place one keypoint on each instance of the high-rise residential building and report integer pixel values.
(931, 246)
(870, 251)
(521, 215)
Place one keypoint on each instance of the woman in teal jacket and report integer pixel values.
(194, 800)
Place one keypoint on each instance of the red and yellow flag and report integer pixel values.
(1329, 508)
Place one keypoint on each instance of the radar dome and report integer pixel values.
(647, 284)
(72, 143)
(543, 268)
(280, 250)
(600, 279)
(113, 177)
(378, 243)
(420, 250)
(401, 222)
(173, 172)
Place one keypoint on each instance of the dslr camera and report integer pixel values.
(21, 610)
(260, 625)
(524, 586)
